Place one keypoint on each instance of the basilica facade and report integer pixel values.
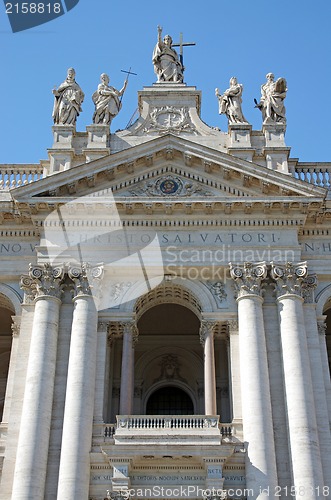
(165, 304)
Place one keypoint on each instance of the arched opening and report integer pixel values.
(169, 400)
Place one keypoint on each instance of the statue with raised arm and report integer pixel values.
(271, 104)
(167, 65)
(107, 101)
(230, 102)
(68, 99)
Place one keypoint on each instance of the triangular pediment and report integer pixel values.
(170, 168)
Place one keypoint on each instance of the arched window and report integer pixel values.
(169, 401)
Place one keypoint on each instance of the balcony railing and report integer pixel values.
(159, 422)
(164, 428)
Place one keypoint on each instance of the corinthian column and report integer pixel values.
(79, 403)
(261, 470)
(207, 340)
(303, 434)
(44, 283)
(130, 336)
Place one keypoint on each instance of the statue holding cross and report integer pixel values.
(167, 65)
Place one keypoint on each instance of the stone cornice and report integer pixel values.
(166, 149)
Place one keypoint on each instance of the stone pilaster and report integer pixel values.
(79, 403)
(13, 360)
(234, 369)
(207, 330)
(130, 336)
(321, 326)
(44, 284)
(316, 366)
(100, 372)
(261, 471)
(302, 426)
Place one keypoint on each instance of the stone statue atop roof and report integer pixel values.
(230, 102)
(68, 98)
(271, 104)
(167, 64)
(107, 101)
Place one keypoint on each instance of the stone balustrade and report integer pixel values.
(145, 428)
(12, 176)
(313, 173)
(182, 422)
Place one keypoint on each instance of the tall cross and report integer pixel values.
(128, 72)
(182, 44)
(127, 78)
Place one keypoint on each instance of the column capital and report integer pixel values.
(130, 327)
(85, 278)
(321, 327)
(207, 327)
(103, 326)
(16, 325)
(233, 326)
(289, 278)
(42, 281)
(309, 285)
(248, 278)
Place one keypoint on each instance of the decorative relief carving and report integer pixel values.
(217, 288)
(289, 277)
(165, 119)
(248, 277)
(119, 289)
(169, 185)
(42, 280)
(169, 368)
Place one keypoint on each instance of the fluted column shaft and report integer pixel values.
(33, 442)
(261, 470)
(207, 339)
(303, 434)
(127, 370)
(74, 472)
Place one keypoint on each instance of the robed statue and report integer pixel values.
(271, 104)
(167, 64)
(107, 101)
(68, 98)
(230, 102)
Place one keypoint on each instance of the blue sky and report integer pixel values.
(246, 39)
